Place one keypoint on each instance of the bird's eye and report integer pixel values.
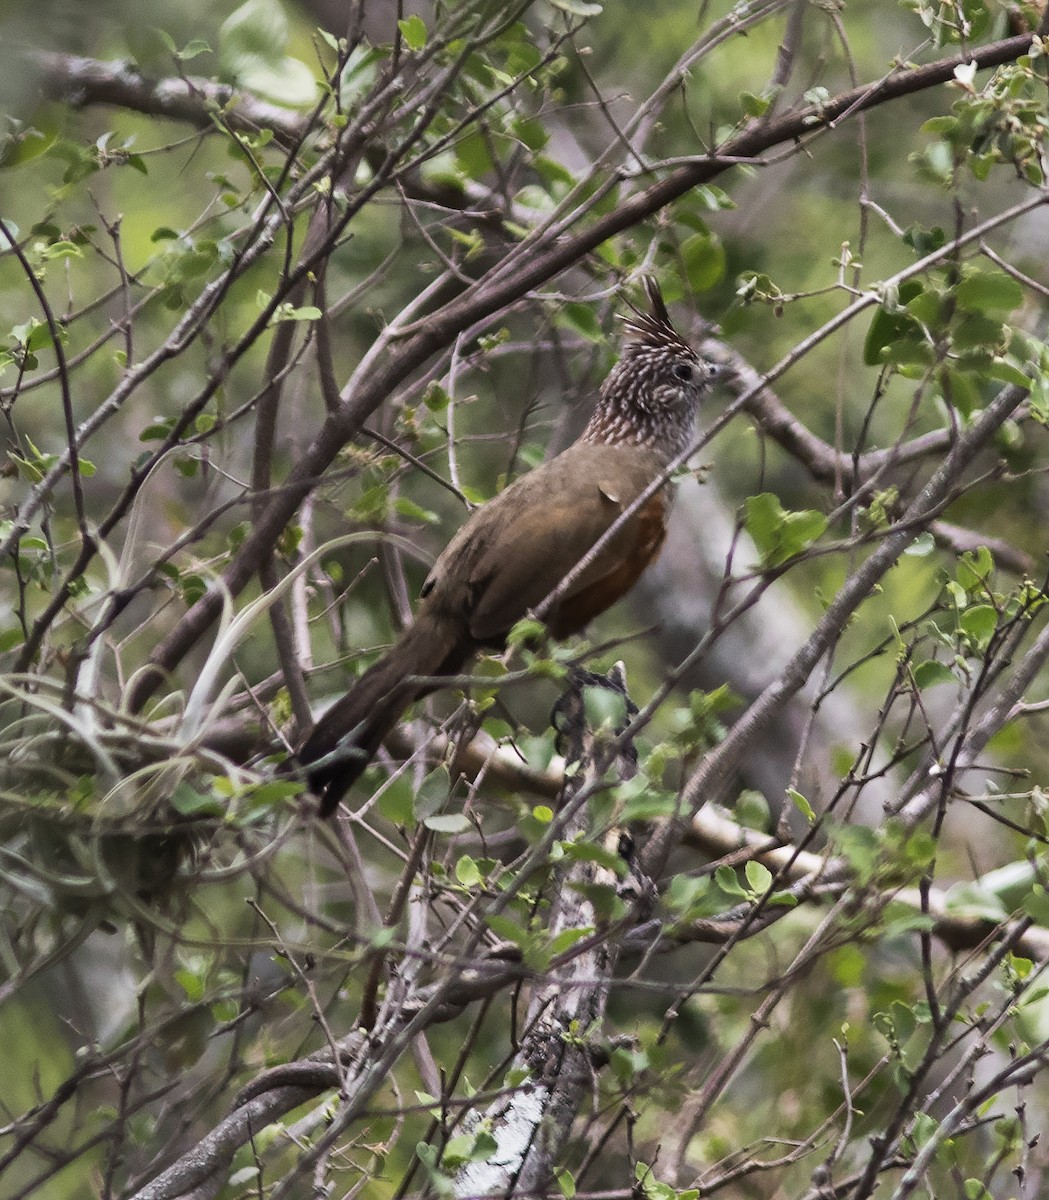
(683, 371)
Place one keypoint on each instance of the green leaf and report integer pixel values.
(974, 567)
(467, 871)
(649, 805)
(922, 546)
(592, 853)
(778, 533)
(758, 876)
(604, 708)
(581, 319)
(703, 257)
(252, 40)
(358, 75)
(567, 938)
(413, 30)
(994, 291)
(979, 622)
(287, 81)
(189, 802)
(1036, 905)
(973, 900)
(801, 804)
(578, 8)
(894, 335)
(448, 823)
(930, 673)
(258, 27)
(531, 132)
(1006, 371)
(396, 801)
(59, 250)
(507, 928)
(404, 507)
(754, 106)
(859, 846)
(726, 879)
(10, 638)
(193, 48)
(435, 397)
(526, 630)
(925, 241)
(287, 312)
(752, 810)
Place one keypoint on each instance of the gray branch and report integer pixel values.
(531, 1127)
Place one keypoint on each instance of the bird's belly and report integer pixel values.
(649, 527)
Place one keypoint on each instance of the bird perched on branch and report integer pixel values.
(543, 539)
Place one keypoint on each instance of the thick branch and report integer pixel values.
(78, 82)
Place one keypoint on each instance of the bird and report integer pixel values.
(514, 551)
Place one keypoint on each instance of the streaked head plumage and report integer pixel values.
(650, 396)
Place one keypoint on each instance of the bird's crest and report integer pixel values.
(654, 329)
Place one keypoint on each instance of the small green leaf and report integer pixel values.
(10, 638)
(925, 241)
(567, 938)
(435, 397)
(979, 622)
(414, 512)
(258, 27)
(193, 48)
(993, 291)
(726, 879)
(577, 8)
(778, 533)
(753, 106)
(894, 335)
(507, 928)
(801, 804)
(467, 871)
(526, 630)
(1036, 905)
(396, 801)
(450, 823)
(189, 802)
(703, 257)
(581, 319)
(758, 876)
(288, 312)
(974, 567)
(974, 900)
(58, 250)
(930, 673)
(604, 708)
(590, 852)
(413, 30)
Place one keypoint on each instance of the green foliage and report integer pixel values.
(436, 220)
(779, 534)
(252, 42)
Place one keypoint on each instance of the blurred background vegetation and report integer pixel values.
(173, 922)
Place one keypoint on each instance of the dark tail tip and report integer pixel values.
(339, 765)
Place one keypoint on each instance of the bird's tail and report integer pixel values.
(354, 727)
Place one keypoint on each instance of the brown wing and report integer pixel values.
(513, 552)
